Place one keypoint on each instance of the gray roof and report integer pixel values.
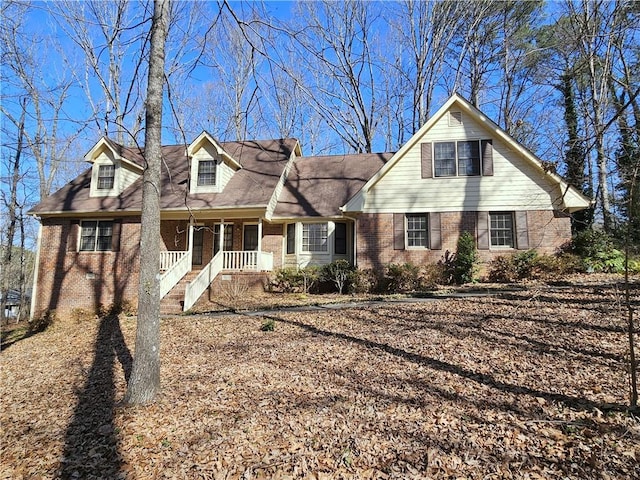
(262, 161)
(319, 186)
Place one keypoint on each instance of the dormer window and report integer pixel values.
(206, 172)
(106, 177)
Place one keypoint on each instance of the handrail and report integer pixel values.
(174, 273)
(199, 284)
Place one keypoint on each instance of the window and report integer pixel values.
(106, 177)
(445, 159)
(291, 238)
(417, 230)
(314, 237)
(227, 241)
(96, 236)
(206, 172)
(457, 158)
(501, 229)
(340, 239)
(468, 158)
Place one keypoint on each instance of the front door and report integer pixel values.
(198, 241)
(250, 241)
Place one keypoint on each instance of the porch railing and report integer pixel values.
(199, 284)
(247, 260)
(168, 259)
(173, 272)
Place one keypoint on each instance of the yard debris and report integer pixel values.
(510, 386)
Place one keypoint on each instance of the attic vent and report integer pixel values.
(455, 119)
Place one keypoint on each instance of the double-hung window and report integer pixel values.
(96, 236)
(501, 224)
(452, 159)
(106, 177)
(417, 235)
(206, 172)
(314, 237)
(227, 239)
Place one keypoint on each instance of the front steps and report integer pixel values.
(173, 302)
(227, 289)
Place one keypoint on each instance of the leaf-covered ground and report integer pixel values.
(529, 384)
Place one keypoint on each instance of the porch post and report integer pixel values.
(190, 248)
(259, 254)
(221, 241)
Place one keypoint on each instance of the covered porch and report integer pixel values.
(211, 247)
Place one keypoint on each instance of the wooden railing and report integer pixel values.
(168, 259)
(247, 260)
(173, 272)
(199, 284)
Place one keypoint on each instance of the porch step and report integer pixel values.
(173, 301)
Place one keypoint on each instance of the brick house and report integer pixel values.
(256, 206)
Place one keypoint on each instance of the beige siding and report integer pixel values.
(225, 173)
(515, 185)
(127, 177)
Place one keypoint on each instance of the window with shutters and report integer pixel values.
(417, 231)
(340, 238)
(461, 158)
(96, 236)
(501, 229)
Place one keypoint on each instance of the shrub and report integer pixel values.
(339, 273)
(523, 263)
(295, 280)
(403, 277)
(502, 269)
(364, 281)
(598, 252)
(465, 259)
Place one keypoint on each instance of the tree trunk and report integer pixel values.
(144, 383)
(12, 208)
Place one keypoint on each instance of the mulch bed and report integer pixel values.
(523, 384)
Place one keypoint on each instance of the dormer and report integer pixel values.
(211, 166)
(111, 173)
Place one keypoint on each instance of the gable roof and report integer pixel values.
(573, 199)
(252, 186)
(318, 186)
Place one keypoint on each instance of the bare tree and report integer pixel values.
(144, 382)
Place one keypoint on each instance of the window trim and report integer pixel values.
(456, 159)
(95, 236)
(425, 216)
(324, 238)
(214, 173)
(110, 178)
(512, 230)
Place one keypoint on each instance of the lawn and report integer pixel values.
(527, 384)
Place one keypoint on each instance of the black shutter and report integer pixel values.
(435, 235)
(425, 160)
(398, 231)
(487, 157)
(115, 235)
(73, 235)
(522, 230)
(483, 231)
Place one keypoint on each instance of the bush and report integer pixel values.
(523, 263)
(465, 259)
(400, 278)
(364, 281)
(295, 280)
(502, 269)
(598, 252)
(269, 325)
(339, 273)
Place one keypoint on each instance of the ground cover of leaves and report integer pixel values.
(528, 384)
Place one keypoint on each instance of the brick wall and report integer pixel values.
(272, 242)
(68, 279)
(548, 230)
